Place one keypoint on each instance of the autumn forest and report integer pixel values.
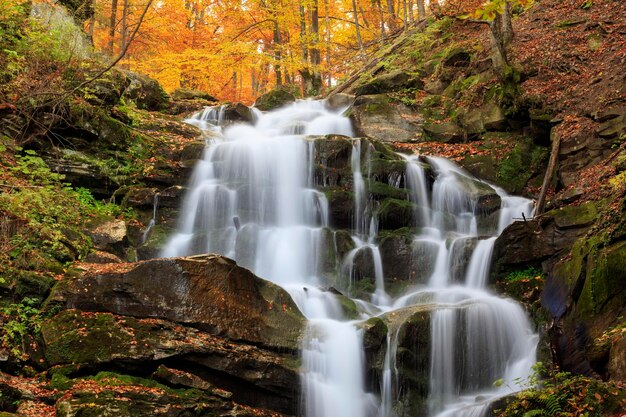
(239, 49)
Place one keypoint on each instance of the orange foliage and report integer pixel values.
(231, 48)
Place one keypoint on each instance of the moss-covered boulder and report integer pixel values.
(274, 99)
(207, 291)
(145, 92)
(108, 88)
(390, 82)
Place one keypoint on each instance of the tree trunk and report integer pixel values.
(327, 23)
(421, 9)
(547, 180)
(112, 24)
(406, 17)
(381, 16)
(507, 25)
(124, 24)
(277, 55)
(392, 16)
(314, 30)
(358, 30)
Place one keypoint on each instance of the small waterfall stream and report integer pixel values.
(253, 198)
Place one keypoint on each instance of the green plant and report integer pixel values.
(524, 275)
(561, 394)
(23, 320)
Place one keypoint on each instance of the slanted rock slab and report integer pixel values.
(209, 292)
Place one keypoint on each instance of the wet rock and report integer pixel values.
(341, 207)
(388, 83)
(339, 101)
(140, 197)
(238, 112)
(209, 292)
(395, 214)
(379, 117)
(405, 261)
(412, 326)
(171, 196)
(374, 344)
(460, 254)
(274, 99)
(193, 151)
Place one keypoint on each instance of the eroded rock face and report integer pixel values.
(209, 292)
(103, 340)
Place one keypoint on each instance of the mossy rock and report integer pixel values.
(395, 214)
(381, 190)
(521, 165)
(274, 99)
(145, 92)
(602, 291)
(447, 132)
(341, 205)
(581, 215)
(107, 89)
(391, 82)
(32, 285)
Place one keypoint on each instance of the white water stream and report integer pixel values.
(253, 198)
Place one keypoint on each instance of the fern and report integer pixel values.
(535, 413)
(552, 404)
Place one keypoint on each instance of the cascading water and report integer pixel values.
(253, 198)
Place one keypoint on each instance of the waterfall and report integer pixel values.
(253, 198)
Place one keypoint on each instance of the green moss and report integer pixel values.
(348, 306)
(380, 190)
(602, 290)
(67, 342)
(520, 165)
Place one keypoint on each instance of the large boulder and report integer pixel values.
(379, 117)
(274, 99)
(209, 292)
